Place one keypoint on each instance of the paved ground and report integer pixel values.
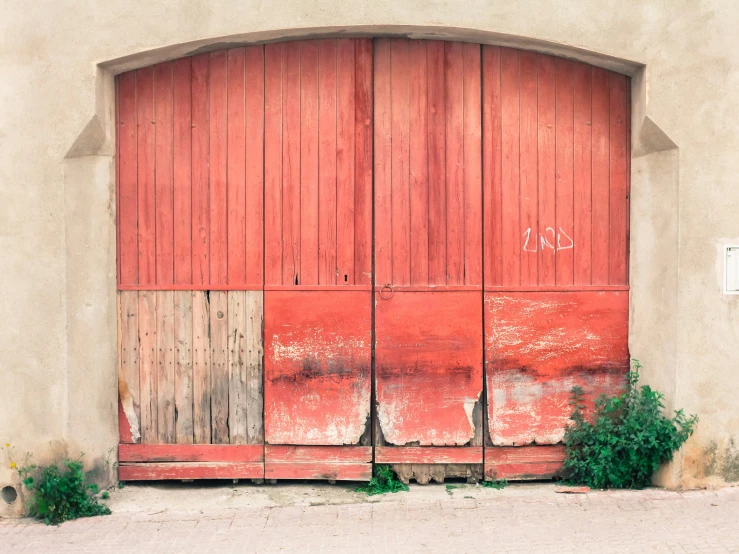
(323, 518)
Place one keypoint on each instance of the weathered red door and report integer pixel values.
(555, 167)
(252, 287)
(318, 265)
(428, 255)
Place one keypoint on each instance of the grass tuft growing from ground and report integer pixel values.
(383, 481)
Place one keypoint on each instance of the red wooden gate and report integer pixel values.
(428, 252)
(555, 169)
(252, 293)
(318, 207)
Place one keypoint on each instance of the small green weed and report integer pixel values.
(105, 495)
(450, 488)
(383, 481)
(497, 485)
(626, 440)
(60, 494)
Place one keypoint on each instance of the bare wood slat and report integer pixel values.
(237, 367)
(201, 367)
(219, 374)
(254, 301)
(183, 366)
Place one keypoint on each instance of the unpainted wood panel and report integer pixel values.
(128, 358)
(165, 369)
(254, 302)
(219, 370)
(148, 399)
(183, 374)
(237, 367)
(201, 357)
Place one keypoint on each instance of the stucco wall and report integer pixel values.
(57, 234)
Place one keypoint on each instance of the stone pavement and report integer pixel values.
(305, 518)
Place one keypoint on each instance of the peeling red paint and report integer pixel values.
(429, 366)
(317, 366)
(540, 345)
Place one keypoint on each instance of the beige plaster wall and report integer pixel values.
(57, 234)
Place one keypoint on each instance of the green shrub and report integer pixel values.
(58, 495)
(383, 481)
(497, 484)
(626, 440)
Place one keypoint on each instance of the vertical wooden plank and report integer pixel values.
(308, 163)
(165, 367)
(291, 164)
(273, 65)
(383, 164)
(472, 166)
(327, 183)
(116, 109)
(200, 172)
(529, 169)
(454, 93)
(600, 175)
(130, 345)
(128, 251)
(564, 160)
(582, 150)
(218, 168)
(345, 120)
(182, 171)
(237, 333)
(399, 173)
(183, 374)
(254, 302)
(363, 118)
(145, 177)
(255, 166)
(219, 370)
(201, 366)
(491, 173)
(163, 162)
(418, 164)
(437, 167)
(544, 239)
(628, 178)
(617, 248)
(236, 169)
(512, 240)
(148, 366)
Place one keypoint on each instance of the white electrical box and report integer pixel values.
(731, 269)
